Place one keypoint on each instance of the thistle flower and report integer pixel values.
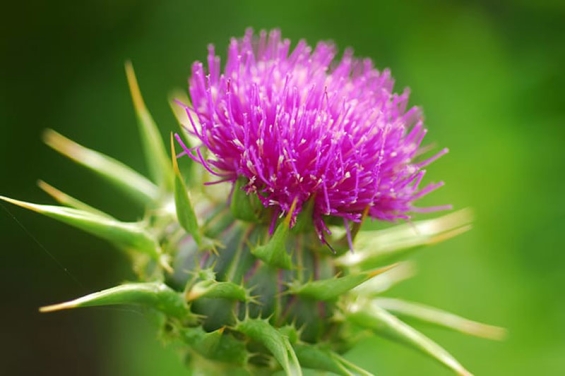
(243, 282)
(297, 127)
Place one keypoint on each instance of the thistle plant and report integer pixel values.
(256, 259)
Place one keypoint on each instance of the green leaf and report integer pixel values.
(437, 317)
(124, 235)
(215, 289)
(314, 357)
(185, 210)
(290, 332)
(66, 200)
(246, 207)
(333, 288)
(274, 252)
(261, 331)
(155, 153)
(378, 248)
(370, 316)
(154, 295)
(205, 285)
(216, 345)
(304, 221)
(381, 283)
(115, 172)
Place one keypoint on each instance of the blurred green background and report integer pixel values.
(490, 76)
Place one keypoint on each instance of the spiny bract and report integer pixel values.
(275, 274)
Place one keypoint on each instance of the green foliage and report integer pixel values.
(183, 205)
(216, 346)
(370, 316)
(329, 289)
(209, 287)
(322, 359)
(130, 182)
(153, 147)
(131, 236)
(274, 253)
(440, 318)
(261, 331)
(154, 295)
(384, 247)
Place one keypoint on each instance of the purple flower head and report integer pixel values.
(300, 126)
